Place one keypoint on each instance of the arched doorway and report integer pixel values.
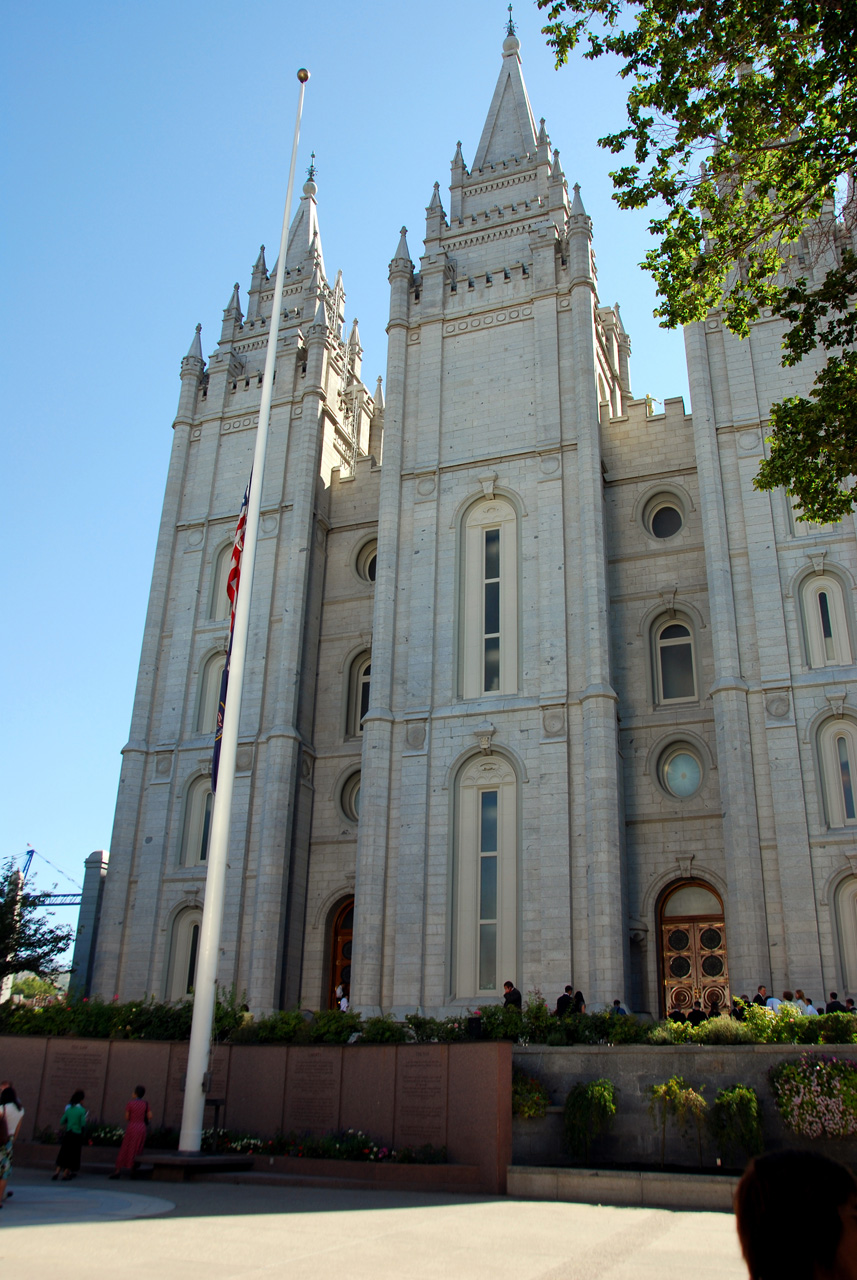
(693, 948)
(341, 934)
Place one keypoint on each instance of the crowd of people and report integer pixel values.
(801, 1002)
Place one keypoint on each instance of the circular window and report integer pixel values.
(367, 560)
(712, 966)
(710, 939)
(679, 966)
(678, 939)
(663, 516)
(680, 772)
(349, 797)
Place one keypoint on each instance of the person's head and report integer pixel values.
(697, 1005)
(568, 991)
(140, 1091)
(578, 995)
(834, 996)
(746, 999)
(788, 995)
(827, 1194)
(799, 993)
(616, 1004)
(8, 1095)
(849, 1003)
(508, 986)
(76, 1097)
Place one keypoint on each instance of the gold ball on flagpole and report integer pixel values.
(303, 75)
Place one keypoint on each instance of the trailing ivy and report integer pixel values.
(590, 1110)
(735, 1121)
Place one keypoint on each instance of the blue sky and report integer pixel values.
(147, 149)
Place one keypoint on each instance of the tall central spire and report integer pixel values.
(510, 129)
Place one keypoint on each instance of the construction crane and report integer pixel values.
(49, 899)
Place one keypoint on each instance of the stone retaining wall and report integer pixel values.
(634, 1139)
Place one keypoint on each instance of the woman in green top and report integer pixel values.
(71, 1127)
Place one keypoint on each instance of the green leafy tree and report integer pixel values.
(741, 128)
(28, 941)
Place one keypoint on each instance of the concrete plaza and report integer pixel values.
(221, 1231)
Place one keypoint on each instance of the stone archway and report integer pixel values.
(341, 936)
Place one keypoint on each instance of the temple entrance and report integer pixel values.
(693, 948)
(340, 950)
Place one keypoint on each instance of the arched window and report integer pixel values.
(828, 643)
(489, 603)
(486, 950)
(846, 921)
(838, 754)
(209, 693)
(675, 669)
(219, 601)
(359, 675)
(197, 822)
(184, 949)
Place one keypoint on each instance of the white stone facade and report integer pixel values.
(537, 705)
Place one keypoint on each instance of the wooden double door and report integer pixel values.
(341, 939)
(694, 963)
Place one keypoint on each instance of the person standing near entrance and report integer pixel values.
(511, 996)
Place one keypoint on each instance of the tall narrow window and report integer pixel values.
(674, 665)
(359, 680)
(838, 756)
(491, 611)
(197, 822)
(209, 693)
(219, 600)
(845, 777)
(828, 643)
(489, 600)
(184, 952)
(488, 891)
(486, 878)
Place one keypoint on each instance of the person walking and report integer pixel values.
(71, 1127)
(565, 1004)
(511, 996)
(11, 1115)
(138, 1114)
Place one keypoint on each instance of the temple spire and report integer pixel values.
(510, 129)
(195, 349)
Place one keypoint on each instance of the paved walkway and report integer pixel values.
(219, 1231)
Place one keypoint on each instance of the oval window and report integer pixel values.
(663, 516)
(367, 560)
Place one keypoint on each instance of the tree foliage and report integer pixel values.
(741, 127)
(28, 941)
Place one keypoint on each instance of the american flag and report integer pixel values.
(232, 583)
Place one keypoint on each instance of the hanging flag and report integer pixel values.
(232, 583)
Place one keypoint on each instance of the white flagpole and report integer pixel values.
(205, 985)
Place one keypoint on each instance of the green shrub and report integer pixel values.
(442, 1030)
(539, 1022)
(735, 1122)
(501, 1022)
(383, 1030)
(722, 1030)
(676, 1098)
(590, 1110)
(530, 1098)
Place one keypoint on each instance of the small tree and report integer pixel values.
(28, 941)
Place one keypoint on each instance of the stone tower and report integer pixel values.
(322, 418)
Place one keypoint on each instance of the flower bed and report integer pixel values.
(816, 1095)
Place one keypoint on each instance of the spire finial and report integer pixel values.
(310, 188)
(510, 26)
(311, 171)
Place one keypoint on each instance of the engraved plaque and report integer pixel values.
(174, 1102)
(72, 1065)
(421, 1096)
(312, 1090)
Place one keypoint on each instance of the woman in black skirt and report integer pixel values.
(71, 1127)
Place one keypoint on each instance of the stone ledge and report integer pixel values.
(626, 1188)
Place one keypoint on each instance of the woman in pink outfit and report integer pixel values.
(137, 1117)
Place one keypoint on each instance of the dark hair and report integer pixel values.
(507, 983)
(834, 996)
(772, 1183)
(140, 1091)
(569, 990)
(9, 1097)
(76, 1097)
